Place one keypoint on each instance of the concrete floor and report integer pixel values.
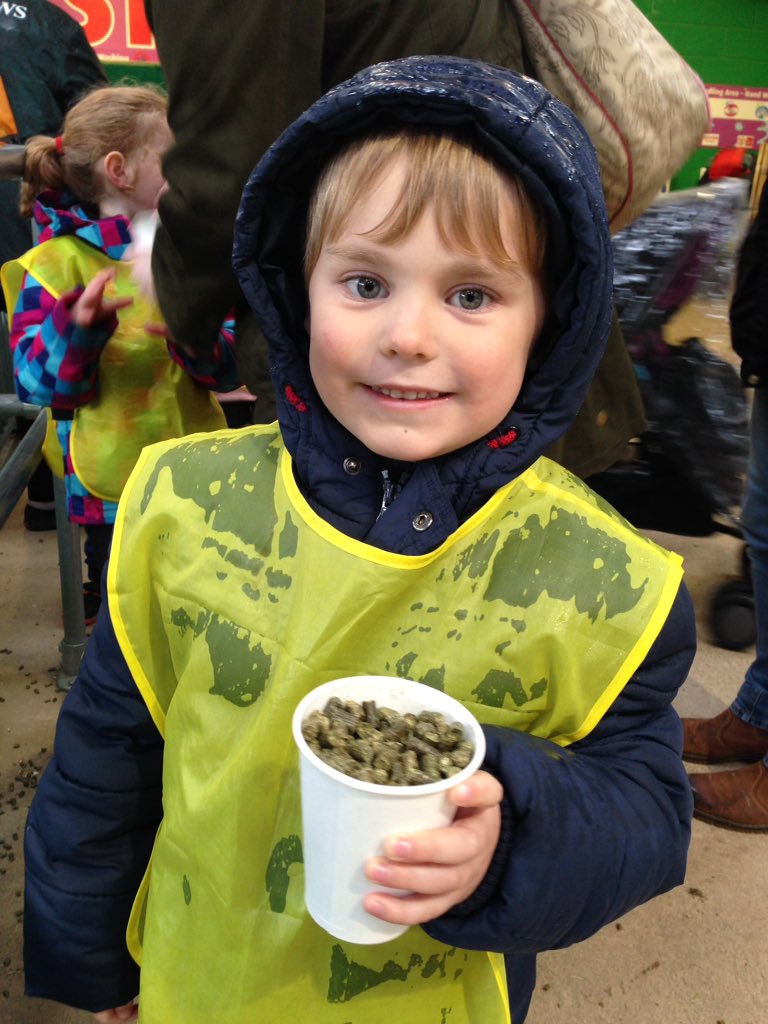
(694, 956)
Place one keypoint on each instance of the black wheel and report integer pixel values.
(733, 616)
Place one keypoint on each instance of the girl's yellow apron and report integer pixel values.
(144, 396)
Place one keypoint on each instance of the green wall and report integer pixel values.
(725, 41)
(135, 73)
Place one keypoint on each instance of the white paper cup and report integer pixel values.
(345, 821)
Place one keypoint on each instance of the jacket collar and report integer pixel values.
(59, 213)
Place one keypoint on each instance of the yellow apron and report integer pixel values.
(143, 397)
(231, 599)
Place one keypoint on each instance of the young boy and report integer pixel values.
(428, 253)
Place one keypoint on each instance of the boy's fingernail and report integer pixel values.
(379, 872)
(401, 848)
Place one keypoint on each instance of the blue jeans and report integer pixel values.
(751, 703)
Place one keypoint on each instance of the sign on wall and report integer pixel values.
(117, 29)
(738, 117)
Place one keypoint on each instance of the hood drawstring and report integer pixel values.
(391, 488)
(387, 493)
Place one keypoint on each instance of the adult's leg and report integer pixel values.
(738, 798)
(751, 703)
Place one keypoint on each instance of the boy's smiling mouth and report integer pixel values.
(407, 394)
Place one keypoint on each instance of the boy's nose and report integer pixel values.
(412, 335)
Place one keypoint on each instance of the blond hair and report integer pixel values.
(466, 189)
(112, 117)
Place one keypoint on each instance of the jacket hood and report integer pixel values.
(525, 129)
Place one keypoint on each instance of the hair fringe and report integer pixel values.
(443, 170)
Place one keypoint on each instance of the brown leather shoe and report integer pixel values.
(735, 799)
(722, 738)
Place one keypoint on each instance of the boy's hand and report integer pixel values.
(441, 867)
(130, 1011)
(91, 307)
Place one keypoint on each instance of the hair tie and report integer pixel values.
(59, 145)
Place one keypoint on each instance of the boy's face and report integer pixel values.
(415, 348)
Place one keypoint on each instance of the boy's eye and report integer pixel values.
(470, 298)
(366, 287)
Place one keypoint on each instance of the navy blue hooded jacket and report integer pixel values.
(587, 833)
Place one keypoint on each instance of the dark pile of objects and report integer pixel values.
(688, 468)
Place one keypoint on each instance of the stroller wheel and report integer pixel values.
(733, 616)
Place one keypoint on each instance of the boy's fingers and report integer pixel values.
(438, 846)
(405, 909)
(425, 879)
(457, 843)
(481, 790)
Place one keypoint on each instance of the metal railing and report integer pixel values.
(14, 477)
(17, 469)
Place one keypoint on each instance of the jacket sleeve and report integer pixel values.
(272, 72)
(216, 371)
(589, 831)
(55, 362)
(89, 835)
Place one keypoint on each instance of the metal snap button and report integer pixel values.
(352, 466)
(422, 521)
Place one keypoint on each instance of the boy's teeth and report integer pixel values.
(409, 396)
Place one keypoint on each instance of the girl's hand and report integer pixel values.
(159, 330)
(441, 867)
(128, 1012)
(91, 307)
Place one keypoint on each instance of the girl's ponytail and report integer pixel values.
(43, 169)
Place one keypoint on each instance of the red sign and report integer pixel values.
(116, 29)
(738, 117)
